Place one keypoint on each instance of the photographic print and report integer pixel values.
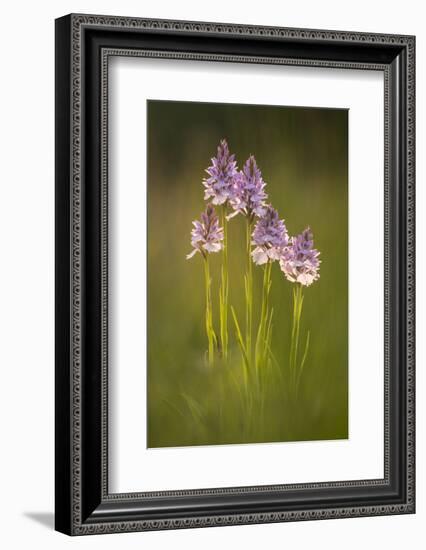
(247, 287)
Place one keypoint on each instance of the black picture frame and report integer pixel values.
(83, 46)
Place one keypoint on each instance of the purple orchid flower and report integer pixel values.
(269, 236)
(206, 235)
(219, 186)
(300, 261)
(249, 191)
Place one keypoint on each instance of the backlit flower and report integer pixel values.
(249, 191)
(206, 234)
(300, 261)
(219, 186)
(269, 236)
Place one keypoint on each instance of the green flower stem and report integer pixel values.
(209, 311)
(223, 293)
(295, 332)
(249, 291)
(263, 333)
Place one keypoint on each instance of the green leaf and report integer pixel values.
(305, 354)
(240, 338)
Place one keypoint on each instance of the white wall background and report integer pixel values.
(26, 286)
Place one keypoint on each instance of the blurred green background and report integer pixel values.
(303, 156)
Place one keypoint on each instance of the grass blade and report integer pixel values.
(305, 354)
(240, 339)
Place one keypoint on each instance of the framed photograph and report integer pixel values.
(234, 274)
